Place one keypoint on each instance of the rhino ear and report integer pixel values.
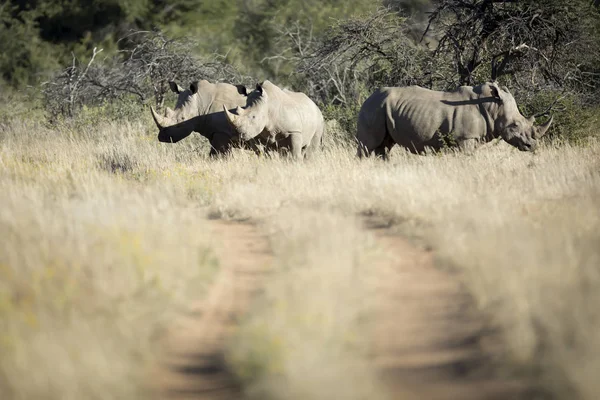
(259, 88)
(175, 87)
(194, 87)
(242, 90)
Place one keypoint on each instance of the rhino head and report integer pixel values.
(251, 120)
(172, 127)
(514, 128)
(179, 123)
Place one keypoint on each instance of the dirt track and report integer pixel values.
(194, 367)
(428, 341)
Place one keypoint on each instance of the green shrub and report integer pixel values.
(25, 58)
(345, 115)
(573, 120)
(115, 110)
(22, 104)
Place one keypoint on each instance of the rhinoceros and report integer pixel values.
(418, 118)
(200, 109)
(282, 118)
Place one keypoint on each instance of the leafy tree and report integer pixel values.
(272, 32)
(24, 58)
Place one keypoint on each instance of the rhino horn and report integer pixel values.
(231, 117)
(531, 119)
(542, 129)
(161, 122)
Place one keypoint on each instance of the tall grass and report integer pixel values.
(103, 239)
(522, 228)
(101, 244)
(305, 338)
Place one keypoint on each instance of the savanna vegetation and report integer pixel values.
(102, 226)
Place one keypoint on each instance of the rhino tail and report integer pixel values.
(322, 134)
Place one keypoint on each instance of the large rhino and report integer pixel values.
(418, 118)
(282, 118)
(200, 109)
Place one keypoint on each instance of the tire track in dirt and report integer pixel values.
(193, 366)
(429, 341)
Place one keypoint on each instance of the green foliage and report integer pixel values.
(48, 31)
(573, 121)
(89, 117)
(23, 104)
(211, 23)
(71, 20)
(128, 108)
(25, 58)
(346, 116)
(273, 32)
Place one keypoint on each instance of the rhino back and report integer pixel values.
(419, 115)
(293, 112)
(224, 94)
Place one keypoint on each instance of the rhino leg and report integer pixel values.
(315, 143)
(384, 148)
(220, 144)
(296, 145)
(371, 130)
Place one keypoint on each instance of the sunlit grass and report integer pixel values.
(103, 240)
(100, 248)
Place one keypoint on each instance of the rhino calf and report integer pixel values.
(282, 118)
(418, 118)
(199, 109)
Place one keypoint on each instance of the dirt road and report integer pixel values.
(427, 338)
(194, 367)
(429, 341)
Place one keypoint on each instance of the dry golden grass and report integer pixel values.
(93, 262)
(522, 228)
(305, 339)
(103, 240)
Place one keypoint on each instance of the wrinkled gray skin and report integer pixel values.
(284, 119)
(418, 118)
(200, 109)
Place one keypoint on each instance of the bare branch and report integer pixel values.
(142, 68)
